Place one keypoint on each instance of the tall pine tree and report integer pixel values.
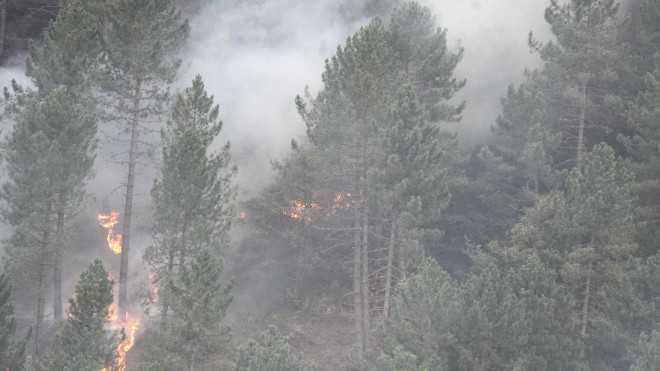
(49, 157)
(142, 39)
(349, 126)
(193, 199)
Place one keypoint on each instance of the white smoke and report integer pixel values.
(256, 56)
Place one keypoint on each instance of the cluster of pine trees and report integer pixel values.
(536, 252)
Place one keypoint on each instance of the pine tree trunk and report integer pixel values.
(582, 118)
(357, 297)
(536, 181)
(128, 208)
(388, 270)
(585, 306)
(57, 274)
(3, 20)
(41, 286)
(40, 309)
(192, 357)
(170, 271)
(585, 313)
(403, 264)
(366, 320)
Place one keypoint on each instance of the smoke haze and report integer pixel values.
(256, 56)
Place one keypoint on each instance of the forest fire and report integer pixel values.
(127, 344)
(303, 210)
(298, 209)
(114, 239)
(153, 297)
(129, 324)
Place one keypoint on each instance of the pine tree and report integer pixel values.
(49, 157)
(270, 353)
(349, 124)
(602, 205)
(586, 236)
(343, 124)
(83, 342)
(526, 139)
(192, 199)
(422, 55)
(425, 310)
(414, 188)
(196, 336)
(581, 70)
(142, 39)
(642, 147)
(649, 352)
(515, 319)
(66, 61)
(12, 353)
(68, 55)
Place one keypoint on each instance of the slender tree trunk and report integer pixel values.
(357, 297)
(183, 255)
(192, 357)
(3, 20)
(128, 208)
(536, 181)
(366, 320)
(582, 118)
(57, 273)
(388, 270)
(40, 308)
(166, 305)
(585, 313)
(403, 264)
(41, 285)
(585, 306)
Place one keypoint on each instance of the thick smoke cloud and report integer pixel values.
(256, 56)
(494, 35)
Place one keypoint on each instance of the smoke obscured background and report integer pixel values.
(256, 56)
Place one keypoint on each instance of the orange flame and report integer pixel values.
(127, 344)
(297, 209)
(114, 239)
(154, 293)
(302, 210)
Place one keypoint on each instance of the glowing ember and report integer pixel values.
(114, 239)
(296, 209)
(304, 210)
(343, 200)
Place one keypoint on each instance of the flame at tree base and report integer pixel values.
(130, 326)
(127, 344)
